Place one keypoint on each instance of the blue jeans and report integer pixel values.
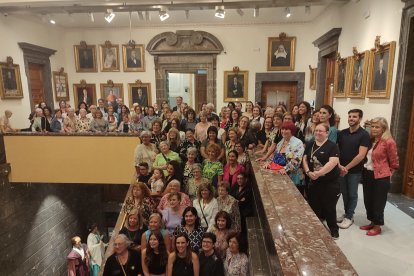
(349, 190)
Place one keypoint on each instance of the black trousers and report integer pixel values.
(375, 196)
(323, 197)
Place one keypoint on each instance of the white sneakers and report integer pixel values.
(346, 223)
(341, 218)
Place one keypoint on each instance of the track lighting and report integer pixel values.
(240, 12)
(109, 16)
(220, 12)
(287, 11)
(140, 16)
(187, 14)
(91, 17)
(307, 9)
(256, 12)
(51, 19)
(164, 14)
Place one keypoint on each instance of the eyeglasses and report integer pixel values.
(317, 130)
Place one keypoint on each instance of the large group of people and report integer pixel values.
(186, 214)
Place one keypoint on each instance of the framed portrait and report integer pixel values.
(140, 93)
(60, 85)
(109, 57)
(133, 58)
(358, 71)
(10, 81)
(85, 58)
(381, 64)
(111, 92)
(312, 80)
(281, 53)
(84, 93)
(341, 78)
(236, 86)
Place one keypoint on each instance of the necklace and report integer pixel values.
(313, 150)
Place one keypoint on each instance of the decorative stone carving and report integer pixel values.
(171, 39)
(196, 38)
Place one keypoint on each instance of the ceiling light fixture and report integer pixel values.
(164, 14)
(307, 9)
(288, 13)
(240, 12)
(187, 14)
(140, 16)
(220, 12)
(109, 16)
(51, 19)
(256, 12)
(91, 17)
(147, 16)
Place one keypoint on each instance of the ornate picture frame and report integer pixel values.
(109, 57)
(358, 71)
(236, 86)
(85, 58)
(381, 64)
(84, 92)
(10, 80)
(140, 93)
(281, 53)
(133, 57)
(313, 72)
(111, 91)
(60, 85)
(341, 77)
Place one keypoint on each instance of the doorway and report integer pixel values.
(276, 93)
(36, 79)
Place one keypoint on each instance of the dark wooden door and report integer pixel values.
(408, 185)
(36, 83)
(329, 81)
(275, 93)
(200, 91)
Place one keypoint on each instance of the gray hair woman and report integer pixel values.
(145, 151)
(165, 156)
(188, 167)
(196, 181)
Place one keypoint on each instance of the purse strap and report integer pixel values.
(202, 212)
(122, 267)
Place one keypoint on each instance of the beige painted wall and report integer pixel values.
(71, 159)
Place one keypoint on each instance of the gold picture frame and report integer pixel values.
(134, 93)
(236, 86)
(85, 58)
(381, 64)
(341, 77)
(109, 57)
(133, 57)
(281, 53)
(84, 92)
(60, 85)
(10, 80)
(110, 92)
(313, 72)
(358, 71)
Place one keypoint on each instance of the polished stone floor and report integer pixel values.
(389, 254)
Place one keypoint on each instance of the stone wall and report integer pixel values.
(37, 222)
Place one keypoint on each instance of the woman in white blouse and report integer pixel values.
(206, 205)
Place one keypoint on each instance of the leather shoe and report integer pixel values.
(374, 232)
(366, 227)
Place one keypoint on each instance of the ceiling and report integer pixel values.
(76, 14)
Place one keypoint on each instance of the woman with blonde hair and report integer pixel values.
(156, 224)
(382, 162)
(206, 205)
(201, 127)
(173, 138)
(140, 199)
(134, 228)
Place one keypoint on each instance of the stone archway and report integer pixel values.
(184, 51)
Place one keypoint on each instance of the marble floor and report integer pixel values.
(389, 254)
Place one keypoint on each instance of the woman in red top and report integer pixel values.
(232, 168)
(382, 161)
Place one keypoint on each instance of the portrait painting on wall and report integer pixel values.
(358, 71)
(84, 93)
(236, 86)
(140, 93)
(85, 58)
(281, 54)
(10, 81)
(109, 57)
(312, 80)
(341, 78)
(133, 57)
(381, 65)
(111, 93)
(61, 87)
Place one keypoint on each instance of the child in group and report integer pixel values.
(157, 182)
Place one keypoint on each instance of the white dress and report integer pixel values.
(96, 249)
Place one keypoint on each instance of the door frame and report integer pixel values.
(298, 77)
(39, 55)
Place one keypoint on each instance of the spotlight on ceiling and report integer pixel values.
(288, 13)
(52, 21)
(240, 12)
(307, 9)
(109, 15)
(220, 12)
(91, 17)
(147, 16)
(140, 16)
(256, 12)
(187, 14)
(164, 14)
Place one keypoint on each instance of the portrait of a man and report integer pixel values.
(341, 77)
(381, 65)
(111, 94)
(85, 94)
(235, 86)
(86, 58)
(358, 75)
(134, 58)
(281, 54)
(9, 79)
(140, 96)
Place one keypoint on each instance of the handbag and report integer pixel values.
(203, 213)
